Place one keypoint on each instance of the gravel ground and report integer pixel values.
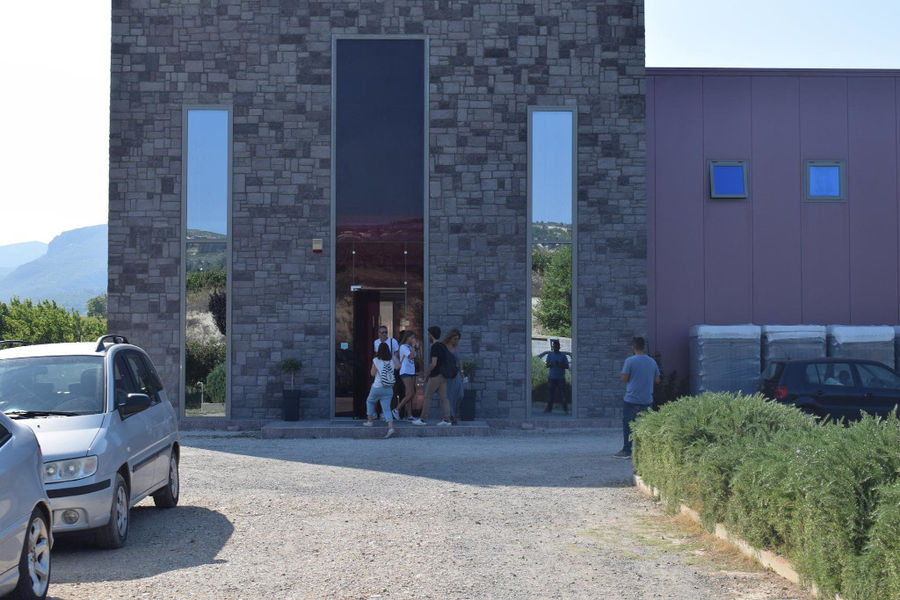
(515, 515)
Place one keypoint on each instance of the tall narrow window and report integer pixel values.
(551, 143)
(207, 259)
(379, 128)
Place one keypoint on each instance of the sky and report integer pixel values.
(54, 69)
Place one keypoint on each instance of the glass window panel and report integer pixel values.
(824, 180)
(728, 180)
(552, 180)
(379, 204)
(206, 261)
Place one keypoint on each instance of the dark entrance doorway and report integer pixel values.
(371, 309)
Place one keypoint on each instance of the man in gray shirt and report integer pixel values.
(639, 373)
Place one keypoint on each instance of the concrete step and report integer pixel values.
(355, 429)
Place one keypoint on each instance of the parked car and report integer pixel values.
(841, 388)
(25, 517)
(107, 430)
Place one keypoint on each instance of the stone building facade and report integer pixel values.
(270, 62)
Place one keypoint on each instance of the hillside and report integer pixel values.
(72, 271)
(15, 255)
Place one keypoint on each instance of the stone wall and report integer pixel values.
(271, 61)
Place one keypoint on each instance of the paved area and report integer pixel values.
(515, 515)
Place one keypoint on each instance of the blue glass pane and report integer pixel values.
(728, 180)
(825, 181)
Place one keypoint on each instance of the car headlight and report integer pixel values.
(69, 470)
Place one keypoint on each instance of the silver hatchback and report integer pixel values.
(107, 430)
(25, 537)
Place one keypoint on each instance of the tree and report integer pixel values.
(45, 322)
(96, 306)
(218, 305)
(554, 310)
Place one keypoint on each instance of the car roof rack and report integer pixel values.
(13, 343)
(113, 337)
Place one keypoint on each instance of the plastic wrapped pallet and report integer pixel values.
(786, 342)
(874, 342)
(725, 358)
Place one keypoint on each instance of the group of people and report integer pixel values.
(397, 361)
(444, 375)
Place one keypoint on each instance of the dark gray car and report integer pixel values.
(842, 388)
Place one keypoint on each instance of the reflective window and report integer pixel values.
(728, 179)
(551, 192)
(66, 384)
(206, 261)
(824, 180)
(379, 204)
(877, 377)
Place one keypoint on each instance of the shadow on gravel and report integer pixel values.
(565, 461)
(159, 541)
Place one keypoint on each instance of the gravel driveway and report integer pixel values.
(514, 515)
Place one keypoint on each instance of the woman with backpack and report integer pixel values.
(383, 368)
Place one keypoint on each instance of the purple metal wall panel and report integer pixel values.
(678, 210)
(727, 224)
(825, 230)
(773, 258)
(872, 200)
(776, 185)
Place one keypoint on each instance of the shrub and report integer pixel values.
(826, 496)
(876, 573)
(690, 448)
(200, 359)
(840, 478)
(215, 383)
(198, 281)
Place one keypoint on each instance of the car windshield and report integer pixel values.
(51, 385)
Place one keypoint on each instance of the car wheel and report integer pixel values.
(34, 565)
(115, 532)
(167, 497)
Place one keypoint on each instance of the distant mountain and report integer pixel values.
(71, 272)
(15, 255)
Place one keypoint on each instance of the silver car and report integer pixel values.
(25, 537)
(108, 432)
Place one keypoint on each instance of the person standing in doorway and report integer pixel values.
(639, 373)
(557, 365)
(383, 338)
(435, 380)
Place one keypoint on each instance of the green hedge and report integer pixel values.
(824, 495)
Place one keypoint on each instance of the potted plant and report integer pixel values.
(291, 395)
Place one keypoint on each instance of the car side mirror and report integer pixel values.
(134, 403)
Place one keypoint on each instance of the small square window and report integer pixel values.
(728, 179)
(825, 181)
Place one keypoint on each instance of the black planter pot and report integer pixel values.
(291, 405)
(467, 406)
